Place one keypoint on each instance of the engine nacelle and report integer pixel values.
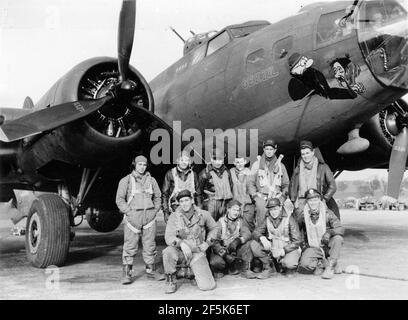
(101, 136)
(382, 129)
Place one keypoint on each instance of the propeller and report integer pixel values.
(55, 116)
(126, 33)
(397, 164)
(49, 118)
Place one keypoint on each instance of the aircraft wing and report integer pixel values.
(48, 119)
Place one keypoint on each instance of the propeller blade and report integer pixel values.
(125, 35)
(48, 118)
(398, 161)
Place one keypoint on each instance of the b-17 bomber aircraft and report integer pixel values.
(334, 73)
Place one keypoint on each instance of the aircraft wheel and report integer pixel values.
(104, 220)
(47, 231)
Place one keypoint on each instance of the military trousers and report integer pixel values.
(312, 257)
(289, 261)
(131, 244)
(244, 253)
(173, 256)
(217, 207)
(248, 214)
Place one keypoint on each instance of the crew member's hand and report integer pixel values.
(222, 252)
(234, 245)
(282, 253)
(326, 238)
(278, 253)
(188, 254)
(266, 243)
(182, 234)
(203, 247)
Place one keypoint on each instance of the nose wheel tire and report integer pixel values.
(47, 231)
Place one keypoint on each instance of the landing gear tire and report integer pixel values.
(47, 231)
(104, 220)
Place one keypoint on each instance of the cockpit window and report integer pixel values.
(330, 28)
(383, 33)
(218, 42)
(282, 47)
(198, 54)
(256, 61)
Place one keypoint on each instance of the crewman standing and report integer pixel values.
(139, 198)
(190, 231)
(312, 172)
(231, 252)
(277, 240)
(269, 179)
(240, 178)
(323, 237)
(215, 185)
(179, 178)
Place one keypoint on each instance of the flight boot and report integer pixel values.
(319, 268)
(218, 274)
(127, 274)
(153, 274)
(235, 267)
(171, 283)
(257, 265)
(189, 274)
(247, 272)
(267, 272)
(338, 269)
(329, 270)
(289, 273)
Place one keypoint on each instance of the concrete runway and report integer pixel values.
(376, 246)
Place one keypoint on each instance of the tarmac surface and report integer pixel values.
(374, 261)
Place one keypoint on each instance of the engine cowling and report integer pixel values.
(115, 127)
(382, 129)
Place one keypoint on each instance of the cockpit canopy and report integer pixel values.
(196, 40)
(234, 31)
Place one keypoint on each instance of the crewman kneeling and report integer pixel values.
(190, 231)
(232, 247)
(324, 235)
(139, 198)
(279, 238)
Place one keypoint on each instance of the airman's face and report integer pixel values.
(184, 162)
(217, 163)
(314, 203)
(307, 155)
(234, 212)
(275, 211)
(185, 203)
(239, 163)
(141, 167)
(269, 151)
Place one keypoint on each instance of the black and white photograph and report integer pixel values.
(204, 150)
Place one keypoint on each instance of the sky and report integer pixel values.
(40, 40)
